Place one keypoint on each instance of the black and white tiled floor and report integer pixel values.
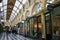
(5, 36)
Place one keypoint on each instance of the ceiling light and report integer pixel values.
(5, 2)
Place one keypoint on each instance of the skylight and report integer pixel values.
(18, 11)
(0, 4)
(13, 11)
(15, 8)
(5, 8)
(18, 5)
(4, 2)
(24, 1)
(1, 9)
(5, 11)
(20, 0)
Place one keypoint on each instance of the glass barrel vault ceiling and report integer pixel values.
(3, 7)
(16, 8)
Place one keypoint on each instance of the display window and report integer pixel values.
(35, 27)
(56, 20)
(31, 27)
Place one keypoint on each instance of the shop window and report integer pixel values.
(39, 23)
(56, 19)
(35, 27)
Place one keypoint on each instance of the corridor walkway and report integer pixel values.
(5, 36)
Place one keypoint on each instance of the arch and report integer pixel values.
(34, 7)
(27, 13)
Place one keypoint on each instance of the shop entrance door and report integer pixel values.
(48, 26)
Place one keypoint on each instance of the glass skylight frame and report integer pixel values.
(20, 6)
(4, 6)
(17, 2)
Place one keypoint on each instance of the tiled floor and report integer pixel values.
(11, 36)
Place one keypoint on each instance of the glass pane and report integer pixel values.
(17, 2)
(13, 11)
(14, 8)
(15, 14)
(31, 27)
(24, 1)
(56, 20)
(5, 2)
(20, 0)
(35, 27)
(5, 7)
(20, 6)
(5, 10)
(0, 4)
(18, 11)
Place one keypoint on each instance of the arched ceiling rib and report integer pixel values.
(10, 6)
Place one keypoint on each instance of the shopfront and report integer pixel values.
(26, 27)
(56, 23)
(21, 28)
(35, 27)
(52, 24)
